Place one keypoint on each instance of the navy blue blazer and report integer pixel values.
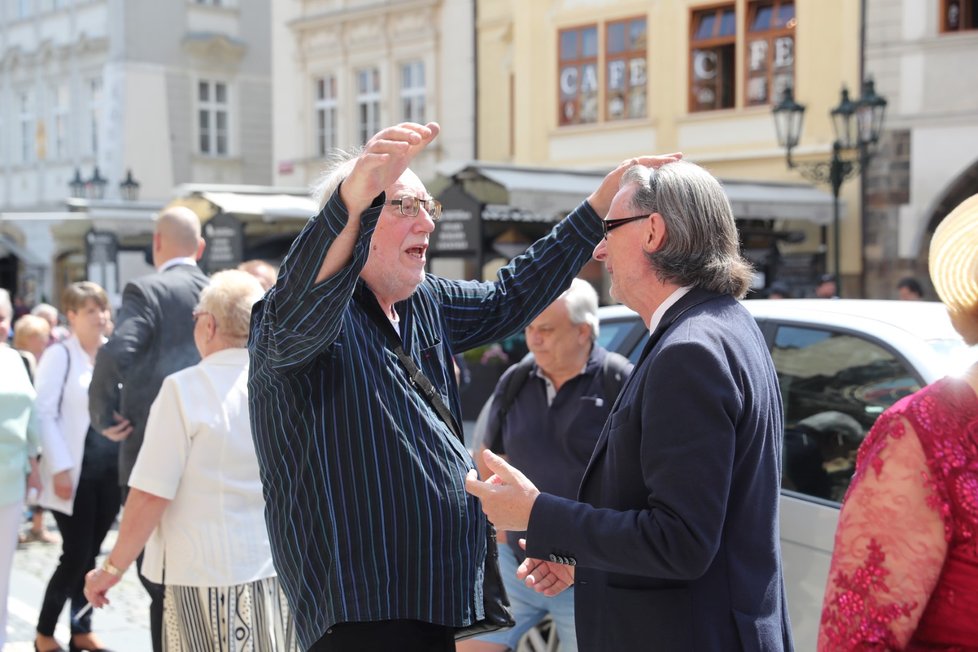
(675, 535)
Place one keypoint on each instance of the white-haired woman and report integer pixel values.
(195, 499)
(904, 570)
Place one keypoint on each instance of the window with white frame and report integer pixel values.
(94, 112)
(368, 103)
(59, 122)
(413, 95)
(25, 102)
(212, 117)
(325, 110)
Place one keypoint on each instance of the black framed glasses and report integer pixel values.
(410, 206)
(610, 225)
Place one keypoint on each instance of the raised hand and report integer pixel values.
(600, 199)
(384, 158)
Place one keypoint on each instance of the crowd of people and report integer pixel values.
(286, 451)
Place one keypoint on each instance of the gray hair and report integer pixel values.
(47, 311)
(702, 247)
(6, 307)
(581, 300)
(339, 164)
(229, 297)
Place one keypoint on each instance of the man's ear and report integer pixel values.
(655, 234)
(201, 245)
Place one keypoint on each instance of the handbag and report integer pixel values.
(495, 603)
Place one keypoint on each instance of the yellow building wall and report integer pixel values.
(517, 43)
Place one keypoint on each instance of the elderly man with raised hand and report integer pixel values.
(674, 537)
(153, 338)
(376, 542)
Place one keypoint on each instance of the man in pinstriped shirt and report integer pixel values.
(376, 542)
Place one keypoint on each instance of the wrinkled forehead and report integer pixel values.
(407, 184)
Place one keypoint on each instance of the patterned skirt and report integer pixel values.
(252, 617)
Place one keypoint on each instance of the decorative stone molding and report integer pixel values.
(218, 48)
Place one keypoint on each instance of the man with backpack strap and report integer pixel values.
(545, 416)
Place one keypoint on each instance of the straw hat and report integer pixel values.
(954, 257)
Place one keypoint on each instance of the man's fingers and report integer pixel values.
(474, 486)
(499, 466)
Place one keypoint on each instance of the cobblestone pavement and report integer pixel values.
(123, 625)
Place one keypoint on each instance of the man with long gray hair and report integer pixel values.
(675, 537)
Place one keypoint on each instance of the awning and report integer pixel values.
(269, 207)
(547, 194)
(9, 246)
(779, 201)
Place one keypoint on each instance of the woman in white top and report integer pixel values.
(195, 499)
(79, 467)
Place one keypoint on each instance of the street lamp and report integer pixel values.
(857, 125)
(77, 185)
(129, 187)
(96, 185)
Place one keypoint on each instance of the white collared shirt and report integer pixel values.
(665, 305)
(198, 453)
(179, 260)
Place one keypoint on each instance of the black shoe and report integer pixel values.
(57, 649)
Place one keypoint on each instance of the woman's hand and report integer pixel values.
(97, 585)
(63, 486)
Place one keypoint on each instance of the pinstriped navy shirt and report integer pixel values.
(364, 484)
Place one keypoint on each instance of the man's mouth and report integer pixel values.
(418, 251)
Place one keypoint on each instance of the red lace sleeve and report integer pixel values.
(889, 547)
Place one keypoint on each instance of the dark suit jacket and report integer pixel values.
(153, 338)
(675, 537)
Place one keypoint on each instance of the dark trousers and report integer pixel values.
(95, 508)
(386, 635)
(155, 592)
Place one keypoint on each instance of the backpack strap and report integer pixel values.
(64, 381)
(513, 381)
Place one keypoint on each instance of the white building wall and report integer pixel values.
(931, 83)
(341, 38)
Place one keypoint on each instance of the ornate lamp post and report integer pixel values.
(77, 185)
(857, 125)
(96, 185)
(129, 187)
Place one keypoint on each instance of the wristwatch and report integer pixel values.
(110, 569)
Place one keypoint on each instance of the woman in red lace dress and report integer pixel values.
(904, 570)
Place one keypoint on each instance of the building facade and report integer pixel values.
(921, 53)
(105, 92)
(585, 84)
(346, 68)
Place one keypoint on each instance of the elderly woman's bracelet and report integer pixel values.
(110, 569)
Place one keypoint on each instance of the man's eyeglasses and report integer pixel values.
(410, 206)
(610, 225)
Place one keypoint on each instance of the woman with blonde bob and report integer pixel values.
(195, 499)
(904, 570)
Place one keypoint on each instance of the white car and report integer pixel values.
(840, 363)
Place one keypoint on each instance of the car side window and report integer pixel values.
(834, 386)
